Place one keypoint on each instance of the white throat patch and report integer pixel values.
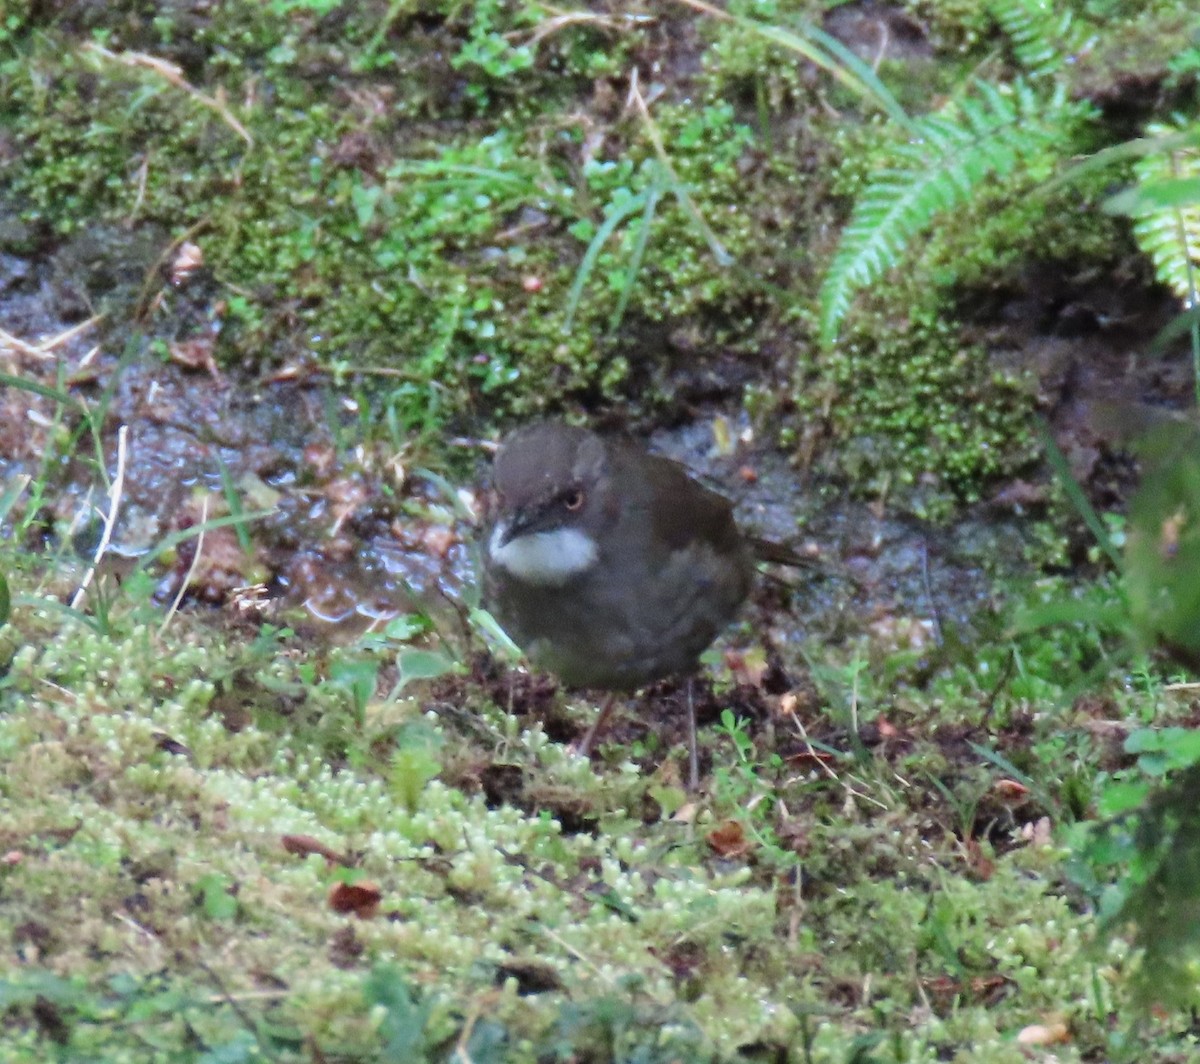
(547, 558)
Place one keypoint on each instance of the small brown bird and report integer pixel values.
(608, 566)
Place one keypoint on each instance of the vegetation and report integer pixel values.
(223, 840)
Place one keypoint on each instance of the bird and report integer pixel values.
(611, 567)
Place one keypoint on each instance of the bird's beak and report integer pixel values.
(511, 526)
(503, 534)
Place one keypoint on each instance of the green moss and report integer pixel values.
(343, 222)
(918, 408)
(420, 222)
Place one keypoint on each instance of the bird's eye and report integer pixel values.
(574, 500)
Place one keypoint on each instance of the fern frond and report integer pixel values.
(970, 140)
(1167, 214)
(1041, 37)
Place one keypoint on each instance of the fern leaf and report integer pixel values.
(1041, 38)
(969, 141)
(1166, 209)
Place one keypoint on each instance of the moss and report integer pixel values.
(290, 222)
(955, 26)
(857, 901)
(916, 406)
(419, 223)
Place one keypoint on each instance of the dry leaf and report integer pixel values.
(438, 540)
(188, 259)
(989, 988)
(195, 354)
(1038, 833)
(1020, 493)
(686, 813)
(361, 899)
(810, 758)
(1168, 540)
(980, 864)
(170, 746)
(1010, 790)
(728, 839)
(749, 667)
(1044, 1034)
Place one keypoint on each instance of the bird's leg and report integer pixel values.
(585, 747)
(693, 755)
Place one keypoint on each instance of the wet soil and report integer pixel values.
(341, 536)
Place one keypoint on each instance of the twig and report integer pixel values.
(583, 959)
(707, 9)
(881, 51)
(174, 75)
(227, 997)
(676, 186)
(139, 928)
(187, 580)
(562, 19)
(44, 349)
(460, 1049)
(142, 306)
(110, 521)
(853, 791)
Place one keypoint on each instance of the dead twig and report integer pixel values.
(173, 75)
(44, 349)
(187, 580)
(676, 186)
(110, 520)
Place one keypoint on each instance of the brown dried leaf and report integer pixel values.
(195, 354)
(170, 746)
(810, 758)
(728, 839)
(362, 899)
(188, 259)
(438, 540)
(982, 866)
(1039, 833)
(749, 667)
(1010, 790)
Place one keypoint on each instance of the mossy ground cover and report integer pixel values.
(222, 841)
(476, 211)
(177, 878)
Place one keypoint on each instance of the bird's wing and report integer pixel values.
(683, 510)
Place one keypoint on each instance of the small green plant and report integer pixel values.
(216, 897)
(747, 786)
(489, 49)
(1042, 37)
(359, 677)
(404, 1028)
(123, 1016)
(317, 7)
